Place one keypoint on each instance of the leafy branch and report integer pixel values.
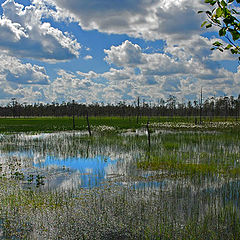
(225, 17)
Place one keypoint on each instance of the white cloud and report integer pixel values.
(157, 76)
(23, 33)
(182, 70)
(15, 72)
(88, 57)
(130, 55)
(118, 75)
(137, 18)
(127, 54)
(184, 66)
(68, 86)
(10, 31)
(125, 85)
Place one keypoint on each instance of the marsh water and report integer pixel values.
(67, 160)
(197, 173)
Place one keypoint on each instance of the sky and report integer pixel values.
(110, 51)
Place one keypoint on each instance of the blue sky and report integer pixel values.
(110, 51)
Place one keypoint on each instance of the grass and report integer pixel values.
(53, 124)
(194, 153)
(110, 213)
(170, 163)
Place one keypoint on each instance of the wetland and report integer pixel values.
(112, 185)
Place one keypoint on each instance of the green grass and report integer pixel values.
(51, 124)
(170, 163)
(194, 153)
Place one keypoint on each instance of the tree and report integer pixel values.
(225, 16)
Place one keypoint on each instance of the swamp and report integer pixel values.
(158, 179)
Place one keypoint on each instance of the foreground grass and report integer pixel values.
(110, 213)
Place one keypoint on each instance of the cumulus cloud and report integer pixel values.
(184, 65)
(25, 82)
(131, 55)
(79, 86)
(125, 85)
(137, 18)
(24, 33)
(14, 71)
(118, 74)
(181, 70)
(168, 70)
(127, 54)
(156, 76)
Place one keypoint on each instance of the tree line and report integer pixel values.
(211, 107)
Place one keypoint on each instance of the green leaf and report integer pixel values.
(222, 32)
(223, 3)
(235, 34)
(209, 25)
(216, 21)
(227, 21)
(204, 23)
(217, 44)
(209, 13)
(212, 2)
(228, 46)
(225, 17)
(219, 12)
(234, 51)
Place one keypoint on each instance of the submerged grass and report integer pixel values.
(111, 213)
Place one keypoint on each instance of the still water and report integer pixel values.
(61, 160)
(67, 160)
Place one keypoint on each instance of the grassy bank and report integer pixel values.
(52, 124)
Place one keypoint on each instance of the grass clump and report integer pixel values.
(171, 162)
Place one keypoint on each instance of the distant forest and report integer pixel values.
(211, 107)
